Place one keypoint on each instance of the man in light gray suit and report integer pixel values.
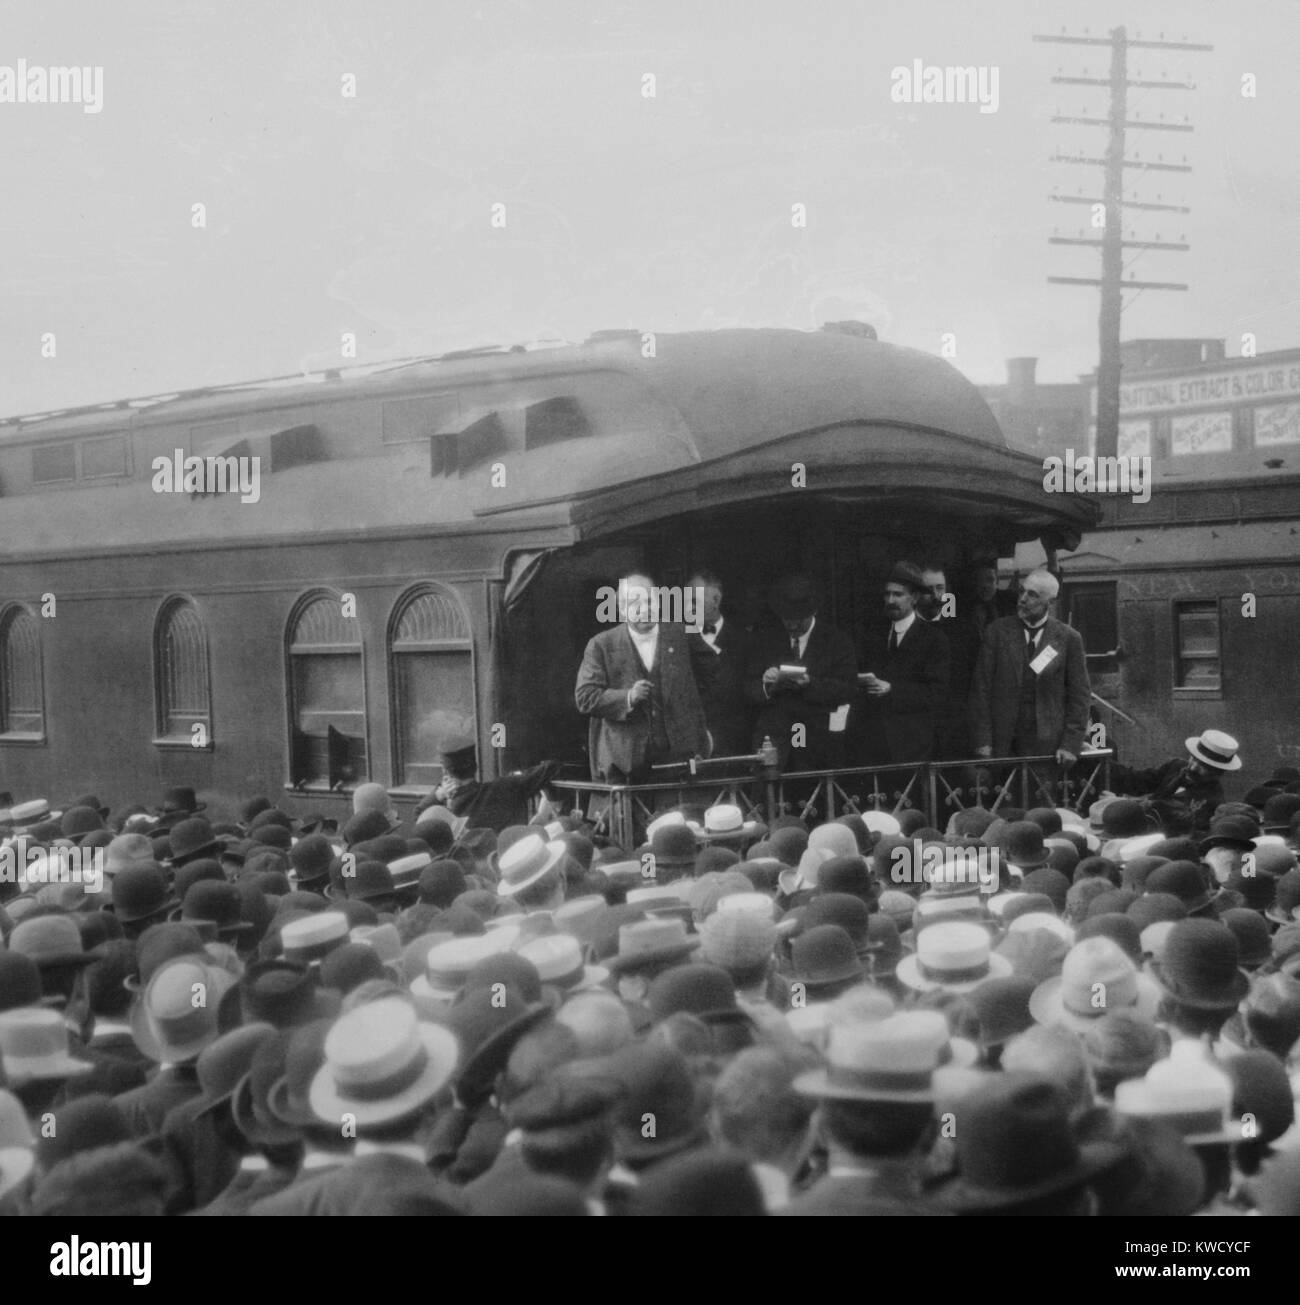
(1030, 691)
(638, 684)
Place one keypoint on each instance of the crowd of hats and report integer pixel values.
(270, 1013)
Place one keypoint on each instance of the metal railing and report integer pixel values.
(937, 788)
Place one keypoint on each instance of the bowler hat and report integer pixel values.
(824, 957)
(1126, 818)
(1200, 964)
(1000, 1008)
(1185, 880)
(283, 994)
(190, 839)
(223, 1063)
(77, 822)
(216, 904)
(1022, 845)
(141, 893)
(1119, 928)
(51, 941)
(1231, 831)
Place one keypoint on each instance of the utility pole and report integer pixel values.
(1108, 211)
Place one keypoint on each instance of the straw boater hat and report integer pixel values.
(558, 958)
(890, 1059)
(382, 1065)
(447, 964)
(1187, 1091)
(1216, 749)
(725, 823)
(955, 956)
(527, 861)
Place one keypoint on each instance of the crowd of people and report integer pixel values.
(256, 1013)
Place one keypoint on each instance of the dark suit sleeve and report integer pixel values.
(1078, 694)
(704, 664)
(536, 777)
(757, 660)
(593, 694)
(981, 692)
(928, 687)
(836, 684)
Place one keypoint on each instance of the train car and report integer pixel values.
(423, 549)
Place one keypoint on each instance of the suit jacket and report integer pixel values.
(1062, 691)
(903, 721)
(610, 667)
(246, 1188)
(725, 707)
(1169, 782)
(119, 1065)
(497, 803)
(831, 663)
(146, 1107)
(199, 1162)
(371, 1184)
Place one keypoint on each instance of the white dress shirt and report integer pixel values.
(647, 645)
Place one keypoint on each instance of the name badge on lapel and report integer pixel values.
(1043, 660)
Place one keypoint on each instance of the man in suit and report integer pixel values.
(1030, 691)
(725, 708)
(638, 684)
(960, 626)
(820, 664)
(907, 677)
(493, 804)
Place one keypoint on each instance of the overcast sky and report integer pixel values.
(372, 214)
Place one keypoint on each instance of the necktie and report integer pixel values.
(710, 628)
(893, 639)
(1031, 640)
(794, 646)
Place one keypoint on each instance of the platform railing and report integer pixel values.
(937, 788)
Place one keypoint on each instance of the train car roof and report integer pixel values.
(566, 437)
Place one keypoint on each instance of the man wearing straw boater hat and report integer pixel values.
(1196, 780)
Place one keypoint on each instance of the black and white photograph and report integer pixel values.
(620, 609)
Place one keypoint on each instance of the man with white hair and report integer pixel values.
(1030, 691)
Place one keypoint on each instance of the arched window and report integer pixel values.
(327, 701)
(22, 692)
(181, 674)
(431, 656)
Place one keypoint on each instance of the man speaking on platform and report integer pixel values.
(638, 684)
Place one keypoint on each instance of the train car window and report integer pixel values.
(22, 690)
(553, 421)
(182, 686)
(431, 655)
(1199, 658)
(52, 463)
(326, 695)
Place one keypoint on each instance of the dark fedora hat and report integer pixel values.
(288, 1097)
(223, 1063)
(248, 1102)
(907, 574)
(1014, 1146)
(140, 893)
(52, 942)
(1200, 966)
(365, 825)
(192, 871)
(91, 801)
(190, 839)
(488, 1022)
(1237, 832)
(271, 835)
(793, 597)
(655, 1080)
